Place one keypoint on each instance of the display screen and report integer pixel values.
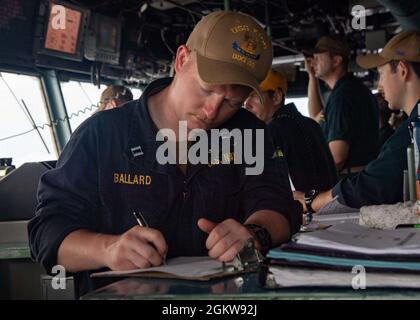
(63, 29)
(108, 35)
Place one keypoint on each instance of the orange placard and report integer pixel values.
(59, 38)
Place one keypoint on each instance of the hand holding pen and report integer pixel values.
(143, 223)
(137, 248)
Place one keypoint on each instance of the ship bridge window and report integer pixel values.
(82, 98)
(25, 134)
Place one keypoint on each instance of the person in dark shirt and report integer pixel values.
(349, 119)
(298, 140)
(112, 166)
(381, 181)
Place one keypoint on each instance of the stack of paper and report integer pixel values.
(287, 277)
(349, 237)
(387, 256)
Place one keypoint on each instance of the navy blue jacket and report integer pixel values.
(381, 181)
(109, 168)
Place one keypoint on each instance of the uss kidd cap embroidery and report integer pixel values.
(231, 48)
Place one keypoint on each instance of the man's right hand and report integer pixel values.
(139, 247)
(309, 67)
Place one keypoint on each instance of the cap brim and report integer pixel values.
(307, 53)
(370, 61)
(219, 72)
(311, 52)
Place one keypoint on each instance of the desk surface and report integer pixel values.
(243, 287)
(15, 250)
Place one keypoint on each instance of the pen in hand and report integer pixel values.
(143, 223)
(140, 220)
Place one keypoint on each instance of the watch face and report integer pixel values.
(310, 194)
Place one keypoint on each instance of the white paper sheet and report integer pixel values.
(299, 277)
(190, 268)
(351, 237)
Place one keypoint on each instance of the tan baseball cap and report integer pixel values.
(333, 44)
(231, 48)
(403, 46)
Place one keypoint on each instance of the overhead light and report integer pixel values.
(143, 8)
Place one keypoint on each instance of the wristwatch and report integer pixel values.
(260, 234)
(309, 198)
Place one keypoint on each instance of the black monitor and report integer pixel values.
(63, 30)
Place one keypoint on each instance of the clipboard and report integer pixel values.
(184, 268)
(196, 268)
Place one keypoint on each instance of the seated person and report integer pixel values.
(113, 97)
(298, 140)
(110, 168)
(381, 181)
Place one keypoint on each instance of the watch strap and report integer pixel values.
(260, 234)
